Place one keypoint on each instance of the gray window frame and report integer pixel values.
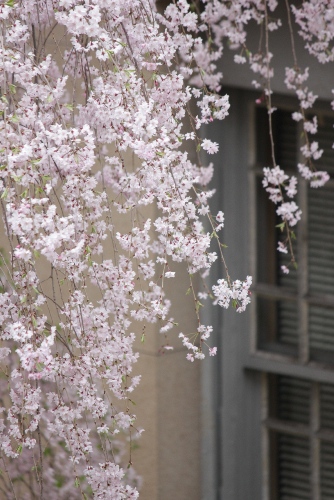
(264, 360)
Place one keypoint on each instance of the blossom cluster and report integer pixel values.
(238, 292)
(94, 102)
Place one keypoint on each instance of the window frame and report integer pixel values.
(260, 358)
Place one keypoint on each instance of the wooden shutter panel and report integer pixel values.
(293, 452)
(321, 328)
(293, 396)
(294, 468)
(321, 249)
(321, 240)
(327, 448)
(327, 407)
(324, 137)
(287, 322)
(327, 471)
(287, 319)
(286, 145)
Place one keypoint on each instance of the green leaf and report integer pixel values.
(59, 480)
(12, 88)
(198, 148)
(47, 452)
(198, 305)
(4, 194)
(14, 119)
(281, 226)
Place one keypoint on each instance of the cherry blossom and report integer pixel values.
(101, 100)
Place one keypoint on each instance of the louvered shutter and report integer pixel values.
(327, 470)
(293, 399)
(294, 468)
(327, 407)
(293, 452)
(327, 448)
(320, 246)
(287, 323)
(286, 153)
(321, 250)
(294, 435)
(321, 268)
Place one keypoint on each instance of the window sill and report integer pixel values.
(283, 365)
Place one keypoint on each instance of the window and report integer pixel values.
(294, 321)
(268, 407)
(295, 312)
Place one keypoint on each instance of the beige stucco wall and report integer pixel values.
(168, 407)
